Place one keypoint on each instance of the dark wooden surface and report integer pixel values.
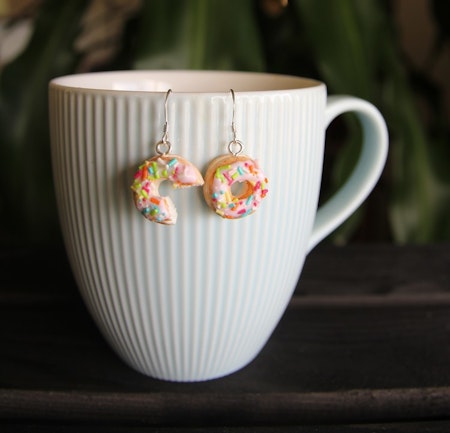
(363, 347)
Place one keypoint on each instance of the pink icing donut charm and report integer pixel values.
(149, 177)
(220, 185)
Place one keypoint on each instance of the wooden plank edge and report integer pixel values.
(197, 409)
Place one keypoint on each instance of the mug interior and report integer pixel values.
(184, 81)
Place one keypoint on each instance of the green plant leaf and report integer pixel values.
(418, 209)
(27, 206)
(356, 53)
(198, 34)
(344, 46)
(341, 37)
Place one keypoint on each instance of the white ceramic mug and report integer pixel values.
(199, 299)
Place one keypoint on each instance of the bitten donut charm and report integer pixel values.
(154, 171)
(229, 173)
(149, 177)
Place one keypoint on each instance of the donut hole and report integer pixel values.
(241, 190)
(165, 188)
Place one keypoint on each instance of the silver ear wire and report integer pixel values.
(235, 146)
(163, 146)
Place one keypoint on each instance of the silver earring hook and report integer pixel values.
(235, 146)
(233, 122)
(163, 146)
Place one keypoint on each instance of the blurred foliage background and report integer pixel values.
(394, 53)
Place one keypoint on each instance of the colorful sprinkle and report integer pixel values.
(228, 196)
(228, 178)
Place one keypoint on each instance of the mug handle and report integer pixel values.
(367, 171)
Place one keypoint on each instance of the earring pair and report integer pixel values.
(234, 185)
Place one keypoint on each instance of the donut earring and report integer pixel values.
(234, 184)
(152, 172)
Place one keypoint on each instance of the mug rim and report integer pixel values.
(202, 82)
